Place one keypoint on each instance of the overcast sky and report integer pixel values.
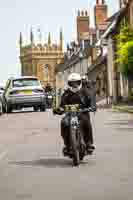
(49, 16)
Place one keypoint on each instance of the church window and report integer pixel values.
(46, 72)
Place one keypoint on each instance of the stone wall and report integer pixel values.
(98, 73)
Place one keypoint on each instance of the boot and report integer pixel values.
(90, 148)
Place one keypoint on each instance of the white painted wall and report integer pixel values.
(110, 65)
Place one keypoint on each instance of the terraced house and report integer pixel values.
(81, 54)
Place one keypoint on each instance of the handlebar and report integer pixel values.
(87, 110)
(78, 108)
(71, 108)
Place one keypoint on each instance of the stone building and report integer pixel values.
(40, 59)
(110, 83)
(77, 63)
(97, 72)
(79, 55)
(97, 69)
(118, 84)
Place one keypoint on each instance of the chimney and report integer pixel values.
(83, 24)
(101, 14)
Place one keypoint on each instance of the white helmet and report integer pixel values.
(74, 82)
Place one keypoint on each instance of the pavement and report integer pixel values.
(32, 166)
(116, 108)
(102, 104)
(123, 108)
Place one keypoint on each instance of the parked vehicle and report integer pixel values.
(23, 92)
(1, 106)
(1, 99)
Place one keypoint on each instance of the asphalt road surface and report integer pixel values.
(32, 166)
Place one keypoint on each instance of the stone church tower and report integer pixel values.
(40, 60)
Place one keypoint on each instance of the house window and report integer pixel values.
(46, 72)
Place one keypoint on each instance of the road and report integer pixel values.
(32, 166)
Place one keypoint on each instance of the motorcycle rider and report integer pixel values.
(91, 89)
(76, 93)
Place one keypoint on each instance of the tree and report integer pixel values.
(125, 54)
(126, 59)
(126, 34)
(125, 51)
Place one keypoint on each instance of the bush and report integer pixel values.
(125, 50)
(130, 96)
(126, 58)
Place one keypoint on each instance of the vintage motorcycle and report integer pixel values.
(78, 146)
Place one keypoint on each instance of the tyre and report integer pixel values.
(35, 108)
(75, 150)
(1, 108)
(8, 108)
(43, 108)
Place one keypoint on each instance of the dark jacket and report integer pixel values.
(81, 97)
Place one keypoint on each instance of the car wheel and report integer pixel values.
(35, 108)
(43, 108)
(1, 110)
(8, 109)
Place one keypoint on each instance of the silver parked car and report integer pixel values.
(23, 92)
(1, 97)
(1, 106)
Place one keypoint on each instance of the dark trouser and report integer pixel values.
(85, 125)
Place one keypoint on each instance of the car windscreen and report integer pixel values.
(25, 82)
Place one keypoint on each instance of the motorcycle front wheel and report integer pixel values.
(75, 149)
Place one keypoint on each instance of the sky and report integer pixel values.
(48, 16)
